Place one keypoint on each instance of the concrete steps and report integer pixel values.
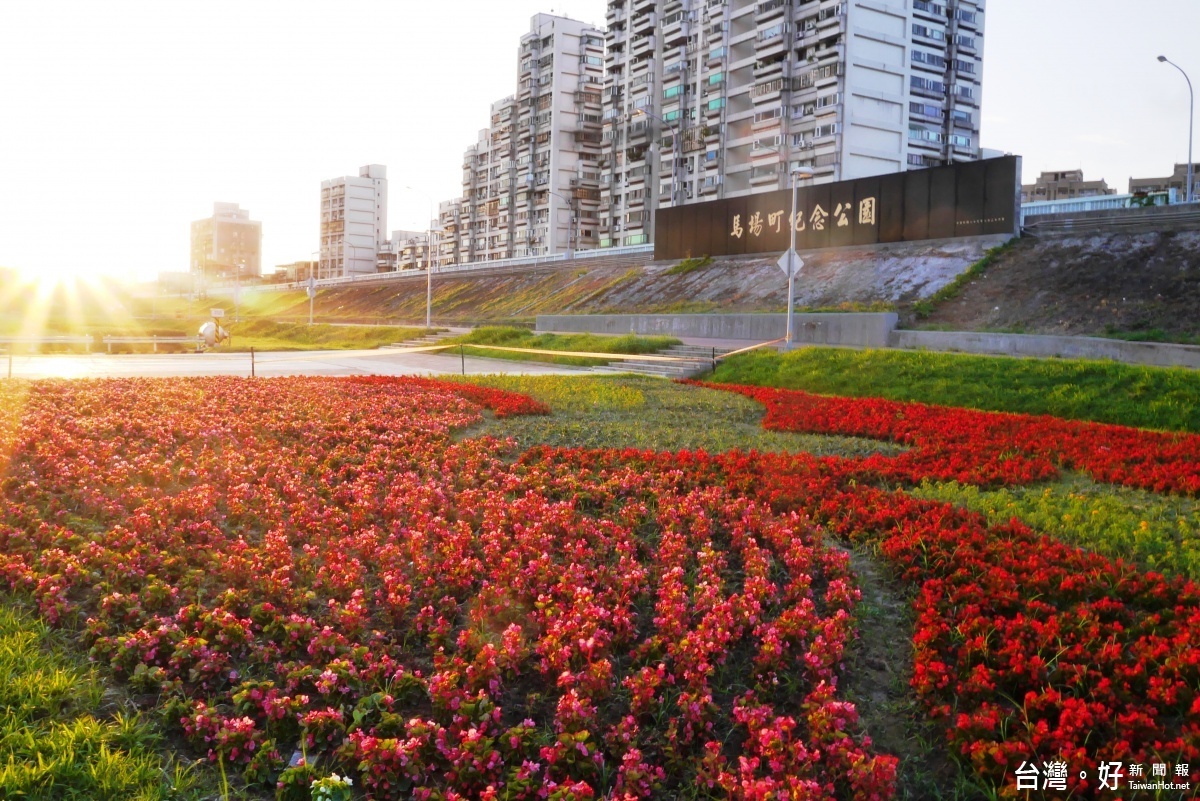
(693, 360)
(428, 339)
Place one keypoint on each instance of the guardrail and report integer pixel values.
(496, 265)
(36, 341)
(154, 340)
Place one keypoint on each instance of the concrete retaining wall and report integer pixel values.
(872, 331)
(1150, 220)
(856, 330)
(1044, 346)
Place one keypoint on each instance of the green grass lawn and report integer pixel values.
(270, 336)
(649, 413)
(55, 740)
(1145, 397)
(478, 339)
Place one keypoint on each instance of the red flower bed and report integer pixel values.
(987, 448)
(315, 565)
(1028, 650)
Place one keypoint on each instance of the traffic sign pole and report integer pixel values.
(312, 293)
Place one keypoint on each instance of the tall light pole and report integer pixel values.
(676, 135)
(1190, 193)
(792, 257)
(312, 284)
(573, 231)
(237, 288)
(428, 262)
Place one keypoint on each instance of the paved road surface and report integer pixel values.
(346, 362)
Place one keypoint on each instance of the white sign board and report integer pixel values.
(218, 313)
(783, 261)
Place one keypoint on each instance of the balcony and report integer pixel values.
(769, 10)
(765, 174)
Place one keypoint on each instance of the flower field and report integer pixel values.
(316, 576)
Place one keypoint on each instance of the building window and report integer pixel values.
(928, 33)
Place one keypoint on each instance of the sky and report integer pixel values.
(122, 121)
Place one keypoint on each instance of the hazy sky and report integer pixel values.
(123, 121)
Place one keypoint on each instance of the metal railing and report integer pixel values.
(37, 341)
(197, 341)
(497, 264)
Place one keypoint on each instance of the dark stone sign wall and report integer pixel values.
(973, 199)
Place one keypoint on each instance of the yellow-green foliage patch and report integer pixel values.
(54, 743)
(1158, 532)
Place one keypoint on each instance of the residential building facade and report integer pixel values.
(531, 181)
(720, 98)
(405, 250)
(227, 245)
(1063, 185)
(451, 231)
(1176, 180)
(353, 223)
(296, 271)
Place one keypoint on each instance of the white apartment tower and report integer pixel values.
(531, 181)
(353, 222)
(718, 98)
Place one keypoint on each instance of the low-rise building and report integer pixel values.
(227, 245)
(1176, 180)
(1063, 185)
(296, 271)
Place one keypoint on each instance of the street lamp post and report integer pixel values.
(1190, 193)
(311, 284)
(676, 134)
(791, 310)
(237, 289)
(573, 231)
(428, 263)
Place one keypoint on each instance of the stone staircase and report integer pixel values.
(693, 361)
(429, 339)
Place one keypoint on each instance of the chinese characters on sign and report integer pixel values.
(978, 198)
(866, 216)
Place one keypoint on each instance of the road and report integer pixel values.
(325, 362)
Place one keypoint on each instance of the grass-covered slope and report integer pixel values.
(1107, 392)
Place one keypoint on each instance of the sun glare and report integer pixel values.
(37, 306)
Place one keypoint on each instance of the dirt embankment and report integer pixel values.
(1141, 284)
(846, 278)
(1147, 284)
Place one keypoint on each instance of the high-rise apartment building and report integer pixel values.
(531, 181)
(353, 222)
(719, 98)
(227, 245)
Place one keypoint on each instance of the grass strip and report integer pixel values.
(1106, 392)
(924, 308)
(268, 335)
(501, 336)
